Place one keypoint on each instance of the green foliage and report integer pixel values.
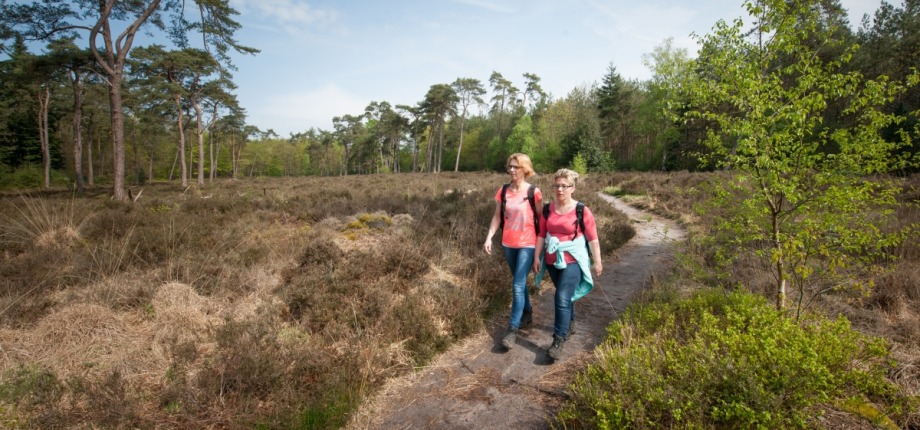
(615, 191)
(890, 46)
(30, 176)
(726, 361)
(326, 414)
(580, 164)
(30, 386)
(798, 198)
(498, 153)
(365, 222)
(522, 137)
(662, 108)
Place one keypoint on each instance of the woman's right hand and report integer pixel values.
(487, 247)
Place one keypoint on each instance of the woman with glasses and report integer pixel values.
(568, 235)
(516, 215)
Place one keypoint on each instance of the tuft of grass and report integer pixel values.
(45, 223)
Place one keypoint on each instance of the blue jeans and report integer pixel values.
(565, 281)
(520, 260)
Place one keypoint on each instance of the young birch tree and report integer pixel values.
(797, 185)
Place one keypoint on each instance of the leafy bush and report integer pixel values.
(31, 176)
(726, 361)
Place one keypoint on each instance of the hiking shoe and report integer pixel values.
(555, 351)
(527, 319)
(510, 337)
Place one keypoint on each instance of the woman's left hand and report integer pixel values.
(598, 267)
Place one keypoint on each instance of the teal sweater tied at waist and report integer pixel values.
(579, 250)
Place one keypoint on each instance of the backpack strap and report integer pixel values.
(501, 223)
(580, 216)
(533, 206)
(579, 222)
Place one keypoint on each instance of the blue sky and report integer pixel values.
(322, 59)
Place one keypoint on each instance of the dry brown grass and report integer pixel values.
(276, 302)
(284, 302)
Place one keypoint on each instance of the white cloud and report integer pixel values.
(291, 15)
(305, 109)
(490, 5)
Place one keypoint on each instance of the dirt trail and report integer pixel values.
(477, 384)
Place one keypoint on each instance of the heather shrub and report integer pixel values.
(717, 360)
(101, 401)
(276, 303)
(30, 386)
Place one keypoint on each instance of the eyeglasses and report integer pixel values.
(562, 186)
(513, 167)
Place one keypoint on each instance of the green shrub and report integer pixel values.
(725, 361)
(31, 176)
(30, 387)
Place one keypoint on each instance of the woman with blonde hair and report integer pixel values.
(568, 235)
(516, 215)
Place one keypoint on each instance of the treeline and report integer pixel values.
(179, 118)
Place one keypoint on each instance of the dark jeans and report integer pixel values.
(565, 280)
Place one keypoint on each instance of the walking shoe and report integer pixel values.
(527, 319)
(510, 337)
(555, 351)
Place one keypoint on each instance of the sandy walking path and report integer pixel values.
(477, 384)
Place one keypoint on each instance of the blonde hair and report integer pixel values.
(524, 161)
(570, 176)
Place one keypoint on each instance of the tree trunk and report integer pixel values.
(90, 179)
(118, 138)
(215, 152)
(396, 168)
(781, 295)
(44, 100)
(150, 159)
(415, 155)
(664, 156)
(428, 165)
(172, 170)
(780, 262)
(137, 165)
(345, 161)
(199, 131)
(440, 146)
(184, 168)
(77, 131)
(190, 157)
(234, 157)
(213, 164)
(460, 146)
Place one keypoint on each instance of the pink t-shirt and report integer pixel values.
(563, 228)
(518, 231)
